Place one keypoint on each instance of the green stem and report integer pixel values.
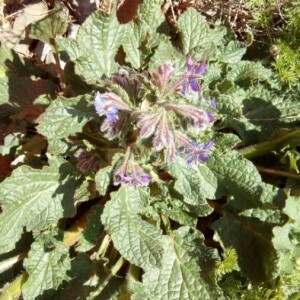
(104, 245)
(278, 172)
(268, 146)
(166, 223)
(113, 272)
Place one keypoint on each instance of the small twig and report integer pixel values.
(172, 10)
(57, 64)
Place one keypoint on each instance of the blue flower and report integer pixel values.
(104, 107)
(198, 153)
(194, 72)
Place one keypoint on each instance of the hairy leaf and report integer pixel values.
(195, 184)
(48, 28)
(193, 30)
(181, 274)
(35, 199)
(245, 70)
(137, 241)
(132, 44)
(103, 178)
(240, 177)
(47, 268)
(68, 48)
(99, 38)
(65, 117)
(142, 34)
(233, 52)
(286, 239)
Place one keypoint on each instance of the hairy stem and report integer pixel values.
(104, 245)
(278, 172)
(268, 146)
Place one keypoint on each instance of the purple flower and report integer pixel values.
(131, 173)
(198, 153)
(115, 111)
(193, 152)
(112, 129)
(108, 105)
(194, 72)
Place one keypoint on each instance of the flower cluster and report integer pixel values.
(171, 108)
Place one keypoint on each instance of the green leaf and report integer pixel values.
(57, 147)
(79, 285)
(35, 199)
(92, 233)
(286, 239)
(177, 213)
(252, 240)
(257, 113)
(233, 52)
(292, 209)
(102, 179)
(137, 241)
(65, 117)
(48, 28)
(225, 142)
(244, 70)
(83, 192)
(239, 176)
(68, 48)
(142, 33)
(181, 275)
(11, 141)
(47, 268)
(164, 52)
(193, 30)
(99, 39)
(131, 45)
(150, 16)
(195, 184)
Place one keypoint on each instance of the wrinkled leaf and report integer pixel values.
(65, 117)
(137, 240)
(47, 268)
(35, 199)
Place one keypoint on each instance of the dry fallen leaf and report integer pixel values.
(15, 35)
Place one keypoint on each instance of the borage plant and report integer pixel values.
(134, 182)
